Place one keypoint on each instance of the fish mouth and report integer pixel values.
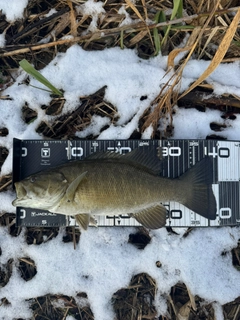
(21, 194)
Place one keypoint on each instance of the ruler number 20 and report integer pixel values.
(220, 152)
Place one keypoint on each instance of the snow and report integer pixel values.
(2, 40)
(93, 9)
(13, 9)
(127, 20)
(104, 261)
(222, 83)
(199, 124)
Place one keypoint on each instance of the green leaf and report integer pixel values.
(157, 42)
(159, 17)
(38, 76)
(177, 11)
(180, 10)
(237, 43)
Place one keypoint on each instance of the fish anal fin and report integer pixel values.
(70, 192)
(152, 217)
(82, 220)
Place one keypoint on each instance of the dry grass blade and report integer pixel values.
(163, 101)
(184, 312)
(173, 305)
(146, 17)
(191, 41)
(136, 39)
(217, 59)
(133, 7)
(103, 33)
(73, 19)
(192, 299)
(167, 99)
(212, 34)
(200, 34)
(145, 9)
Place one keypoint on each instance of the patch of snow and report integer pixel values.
(93, 9)
(105, 262)
(218, 311)
(127, 20)
(13, 9)
(2, 40)
(199, 126)
(50, 13)
(97, 123)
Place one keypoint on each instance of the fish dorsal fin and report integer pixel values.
(153, 217)
(82, 220)
(142, 156)
(70, 192)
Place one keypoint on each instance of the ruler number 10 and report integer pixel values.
(220, 152)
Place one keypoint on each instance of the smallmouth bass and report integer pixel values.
(113, 184)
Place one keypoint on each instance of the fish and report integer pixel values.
(107, 183)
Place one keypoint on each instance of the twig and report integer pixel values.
(28, 262)
(196, 97)
(5, 185)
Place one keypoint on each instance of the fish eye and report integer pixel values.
(32, 179)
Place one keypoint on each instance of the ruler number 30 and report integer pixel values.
(171, 151)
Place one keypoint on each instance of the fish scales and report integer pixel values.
(110, 188)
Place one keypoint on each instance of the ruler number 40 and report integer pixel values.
(220, 152)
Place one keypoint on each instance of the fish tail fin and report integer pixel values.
(198, 185)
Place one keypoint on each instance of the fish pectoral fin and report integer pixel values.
(70, 192)
(82, 220)
(153, 217)
(93, 222)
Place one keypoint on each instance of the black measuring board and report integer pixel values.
(175, 158)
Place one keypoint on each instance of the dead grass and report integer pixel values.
(212, 27)
(213, 34)
(136, 301)
(51, 307)
(65, 126)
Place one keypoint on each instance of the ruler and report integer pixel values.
(175, 157)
